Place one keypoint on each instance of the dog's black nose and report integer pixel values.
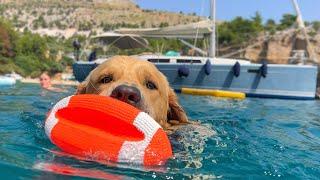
(128, 94)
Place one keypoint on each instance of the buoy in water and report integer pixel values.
(264, 69)
(213, 92)
(183, 71)
(207, 67)
(236, 69)
(102, 128)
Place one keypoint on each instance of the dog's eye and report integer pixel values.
(106, 79)
(151, 85)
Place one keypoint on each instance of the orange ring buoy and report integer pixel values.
(103, 128)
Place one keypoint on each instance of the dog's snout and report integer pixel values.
(128, 94)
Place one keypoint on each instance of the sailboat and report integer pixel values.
(264, 80)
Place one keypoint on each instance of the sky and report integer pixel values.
(228, 9)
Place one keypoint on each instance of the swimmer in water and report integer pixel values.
(45, 83)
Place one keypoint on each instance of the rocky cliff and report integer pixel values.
(285, 47)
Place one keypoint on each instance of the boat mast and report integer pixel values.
(304, 31)
(299, 16)
(212, 50)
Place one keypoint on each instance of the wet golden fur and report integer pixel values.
(160, 103)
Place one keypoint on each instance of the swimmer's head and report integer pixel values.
(45, 80)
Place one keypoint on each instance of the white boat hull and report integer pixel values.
(280, 81)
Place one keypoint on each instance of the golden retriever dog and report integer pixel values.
(140, 84)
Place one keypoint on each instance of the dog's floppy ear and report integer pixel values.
(175, 112)
(81, 89)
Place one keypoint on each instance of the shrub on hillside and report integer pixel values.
(287, 21)
(25, 53)
(7, 39)
(67, 61)
(29, 64)
(240, 30)
(316, 25)
(7, 66)
(31, 44)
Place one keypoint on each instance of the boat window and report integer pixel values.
(188, 61)
(159, 60)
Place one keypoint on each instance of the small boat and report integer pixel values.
(14, 75)
(7, 81)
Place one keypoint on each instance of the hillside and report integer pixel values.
(65, 17)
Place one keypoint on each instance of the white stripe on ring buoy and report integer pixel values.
(134, 151)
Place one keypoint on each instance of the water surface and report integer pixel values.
(256, 139)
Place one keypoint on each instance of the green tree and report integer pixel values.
(239, 30)
(316, 25)
(31, 44)
(164, 24)
(42, 22)
(7, 39)
(29, 64)
(85, 26)
(257, 22)
(287, 21)
(271, 26)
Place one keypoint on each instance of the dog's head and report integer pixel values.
(137, 83)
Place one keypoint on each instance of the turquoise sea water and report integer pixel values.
(256, 139)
